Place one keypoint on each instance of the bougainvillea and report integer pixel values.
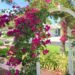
(3, 20)
(48, 1)
(64, 30)
(30, 36)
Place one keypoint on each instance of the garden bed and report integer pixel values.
(43, 72)
(48, 72)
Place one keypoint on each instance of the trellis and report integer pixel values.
(70, 51)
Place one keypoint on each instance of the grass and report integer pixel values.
(53, 48)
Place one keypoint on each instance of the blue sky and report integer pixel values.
(21, 3)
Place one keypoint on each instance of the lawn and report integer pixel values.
(53, 48)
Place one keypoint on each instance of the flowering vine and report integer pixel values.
(30, 37)
(63, 38)
(64, 34)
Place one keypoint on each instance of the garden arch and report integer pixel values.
(70, 52)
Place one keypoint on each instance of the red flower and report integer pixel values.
(24, 50)
(16, 32)
(48, 1)
(47, 42)
(17, 72)
(45, 52)
(10, 33)
(36, 41)
(48, 34)
(33, 28)
(63, 38)
(34, 55)
(13, 61)
(47, 28)
(33, 47)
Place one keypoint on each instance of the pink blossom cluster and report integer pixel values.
(29, 23)
(4, 19)
(13, 61)
(16, 72)
(64, 29)
(48, 1)
(14, 32)
(63, 38)
(40, 39)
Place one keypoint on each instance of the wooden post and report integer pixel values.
(38, 68)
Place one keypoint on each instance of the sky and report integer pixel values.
(21, 3)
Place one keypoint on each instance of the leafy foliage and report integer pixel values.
(54, 60)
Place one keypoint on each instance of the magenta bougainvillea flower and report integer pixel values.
(4, 19)
(29, 26)
(45, 51)
(17, 72)
(48, 1)
(34, 55)
(63, 38)
(9, 72)
(14, 32)
(10, 33)
(64, 28)
(13, 61)
(47, 42)
(23, 50)
(36, 41)
(33, 47)
(48, 34)
(47, 28)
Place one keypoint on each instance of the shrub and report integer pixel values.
(54, 60)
